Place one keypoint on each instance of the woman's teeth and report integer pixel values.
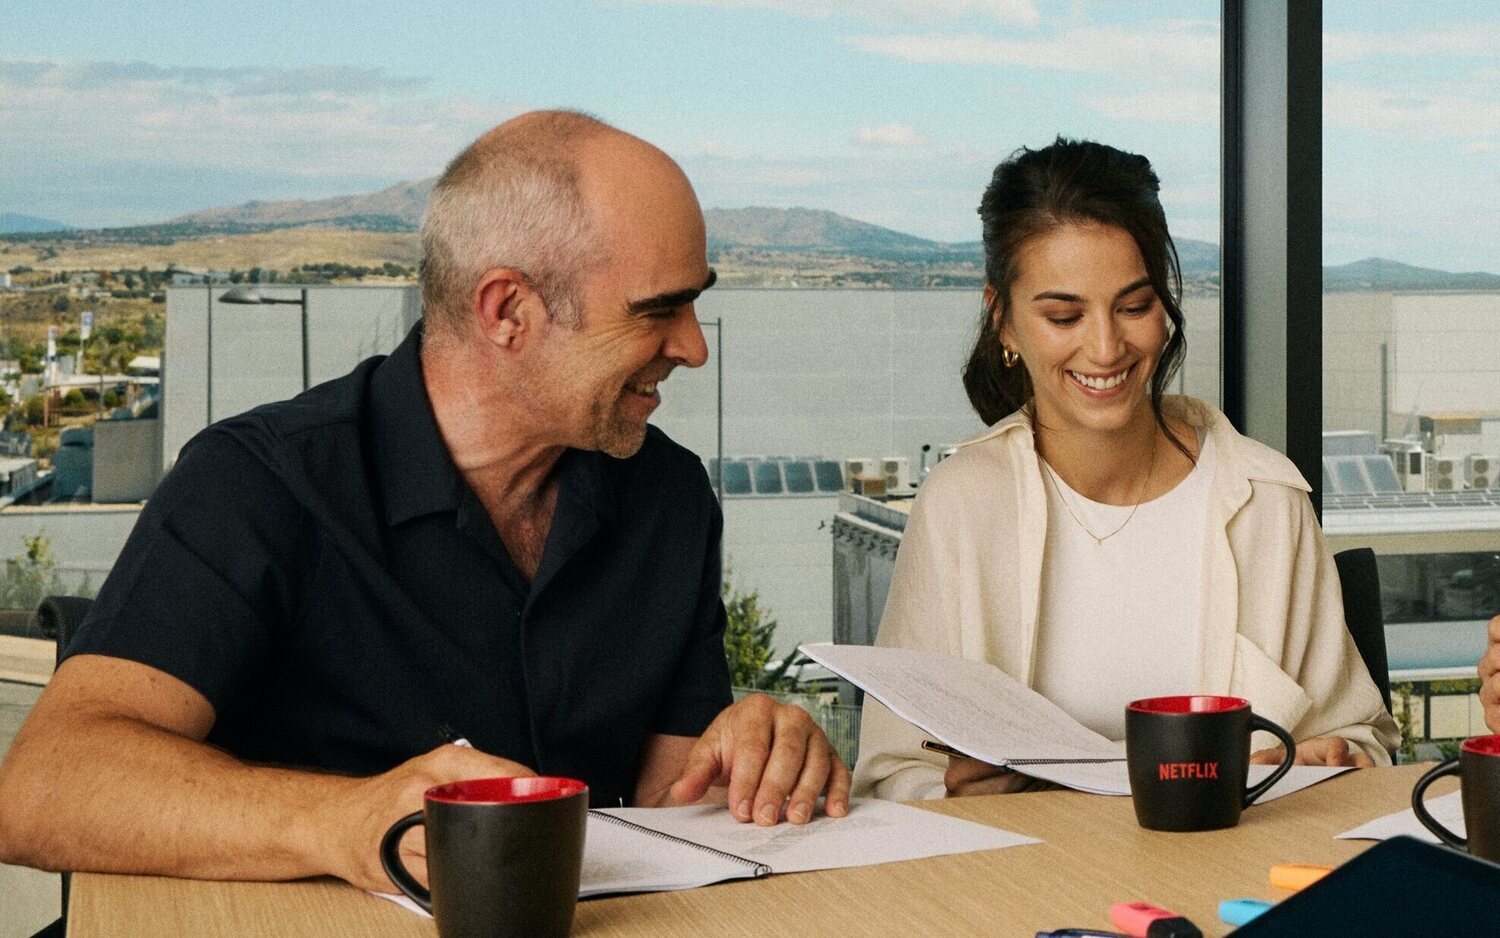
(1101, 384)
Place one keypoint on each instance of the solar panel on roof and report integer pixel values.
(830, 475)
(736, 477)
(799, 476)
(1350, 479)
(1382, 474)
(768, 478)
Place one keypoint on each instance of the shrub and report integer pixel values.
(749, 635)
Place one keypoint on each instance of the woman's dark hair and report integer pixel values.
(1068, 183)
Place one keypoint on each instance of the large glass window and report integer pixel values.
(839, 150)
(1411, 308)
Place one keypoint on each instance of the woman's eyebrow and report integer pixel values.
(1075, 298)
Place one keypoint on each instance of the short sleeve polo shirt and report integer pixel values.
(321, 572)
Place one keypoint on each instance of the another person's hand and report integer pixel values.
(774, 760)
(966, 776)
(1319, 750)
(357, 817)
(1489, 678)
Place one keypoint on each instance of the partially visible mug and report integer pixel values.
(1478, 766)
(504, 856)
(1189, 760)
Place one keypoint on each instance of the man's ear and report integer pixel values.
(506, 308)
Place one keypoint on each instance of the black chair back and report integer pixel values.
(1360, 580)
(59, 617)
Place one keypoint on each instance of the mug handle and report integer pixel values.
(1420, 810)
(1258, 722)
(390, 858)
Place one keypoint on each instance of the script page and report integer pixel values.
(970, 705)
(1447, 810)
(873, 832)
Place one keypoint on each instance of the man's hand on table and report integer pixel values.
(1489, 678)
(1319, 750)
(774, 760)
(357, 817)
(966, 776)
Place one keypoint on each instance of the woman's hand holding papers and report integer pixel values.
(1319, 750)
(966, 776)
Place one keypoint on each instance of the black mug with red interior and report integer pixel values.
(1189, 760)
(1478, 765)
(504, 856)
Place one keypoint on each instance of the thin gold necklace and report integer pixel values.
(1140, 496)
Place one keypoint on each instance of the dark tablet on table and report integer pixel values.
(1401, 887)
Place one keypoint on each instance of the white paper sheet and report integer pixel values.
(873, 832)
(979, 709)
(621, 859)
(970, 705)
(1447, 810)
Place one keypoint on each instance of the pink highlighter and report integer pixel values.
(1144, 920)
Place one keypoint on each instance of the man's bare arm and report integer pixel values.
(110, 773)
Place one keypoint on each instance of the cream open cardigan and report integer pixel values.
(968, 578)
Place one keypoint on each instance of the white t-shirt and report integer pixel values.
(1119, 619)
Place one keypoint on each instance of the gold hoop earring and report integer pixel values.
(1010, 358)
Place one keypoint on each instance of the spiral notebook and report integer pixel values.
(660, 849)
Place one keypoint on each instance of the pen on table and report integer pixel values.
(1080, 933)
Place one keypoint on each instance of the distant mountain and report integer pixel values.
(1377, 273)
(806, 229)
(1199, 259)
(14, 223)
(397, 208)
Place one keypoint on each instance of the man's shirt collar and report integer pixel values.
(416, 472)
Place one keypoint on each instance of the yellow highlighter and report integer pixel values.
(1297, 876)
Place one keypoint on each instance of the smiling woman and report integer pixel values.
(1101, 541)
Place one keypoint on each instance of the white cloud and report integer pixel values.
(1175, 106)
(1012, 12)
(1439, 115)
(333, 121)
(1475, 39)
(889, 135)
(1148, 50)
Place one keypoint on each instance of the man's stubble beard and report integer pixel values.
(617, 435)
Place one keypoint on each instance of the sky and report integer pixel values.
(890, 111)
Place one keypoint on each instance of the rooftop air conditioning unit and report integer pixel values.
(897, 475)
(1480, 471)
(1444, 474)
(1410, 463)
(858, 467)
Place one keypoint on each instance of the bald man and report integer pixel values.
(478, 536)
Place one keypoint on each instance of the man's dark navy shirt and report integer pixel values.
(320, 571)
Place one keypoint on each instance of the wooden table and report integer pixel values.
(1094, 854)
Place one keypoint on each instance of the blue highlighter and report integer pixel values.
(1240, 911)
